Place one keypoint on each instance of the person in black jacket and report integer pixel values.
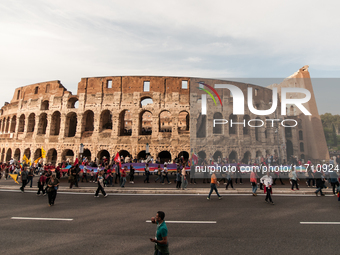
(319, 183)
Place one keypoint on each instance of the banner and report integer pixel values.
(43, 152)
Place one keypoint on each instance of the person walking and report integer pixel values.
(294, 179)
(253, 181)
(24, 178)
(41, 184)
(100, 185)
(161, 239)
(319, 183)
(213, 186)
(238, 173)
(30, 176)
(229, 181)
(184, 178)
(159, 173)
(267, 182)
(165, 174)
(117, 171)
(52, 187)
(147, 173)
(132, 174)
(123, 177)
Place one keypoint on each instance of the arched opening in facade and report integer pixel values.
(218, 127)
(17, 154)
(71, 124)
(246, 157)
(302, 158)
(87, 154)
(27, 153)
(258, 154)
(145, 123)
(68, 155)
(9, 154)
(201, 126)
(164, 156)
(52, 156)
(55, 123)
(141, 155)
(72, 103)
(2, 155)
(105, 121)
(124, 153)
(104, 153)
(21, 127)
(246, 130)
(232, 128)
(13, 124)
(1, 126)
(268, 153)
(7, 125)
(88, 122)
(217, 157)
(302, 147)
(31, 123)
(165, 122)
(183, 121)
(184, 154)
(201, 157)
(300, 135)
(125, 123)
(233, 157)
(37, 154)
(289, 150)
(45, 105)
(146, 101)
(42, 124)
(257, 129)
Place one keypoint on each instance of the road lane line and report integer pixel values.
(189, 222)
(31, 218)
(320, 223)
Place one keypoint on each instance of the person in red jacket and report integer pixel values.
(41, 184)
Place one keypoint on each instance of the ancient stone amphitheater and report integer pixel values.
(134, 115)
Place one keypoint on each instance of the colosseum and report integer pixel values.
(136, 115)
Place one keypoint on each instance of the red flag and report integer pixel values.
(76, 162)
(117, 159)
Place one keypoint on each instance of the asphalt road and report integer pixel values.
(117, 224)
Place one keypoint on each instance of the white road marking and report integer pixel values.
(320, 223)
(189, 222)
(30, 218)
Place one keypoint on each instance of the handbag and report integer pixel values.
(56, 187)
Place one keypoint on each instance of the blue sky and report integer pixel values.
(65, 40)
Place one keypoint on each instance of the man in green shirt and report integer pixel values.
(161, 240)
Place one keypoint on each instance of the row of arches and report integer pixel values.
(145, 125)
(69, 154)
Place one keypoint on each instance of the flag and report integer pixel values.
(76, 162)
(43, 152)
(14, 177)
(117, 159)
(37, 160)
(25, 158)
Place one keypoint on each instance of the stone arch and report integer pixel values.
(9, 154)
(216, 156)
(164, 156)
(218, 128)
(125, 123)
(183, 121)
(300, 135)
(302, 157)
(104, 153)
(87, 154)
(145, 120)
(16, 155)
(68, 154)
(246, 157)
(144, 101)
(7, 125)
(55, 123)
(165, 121)
(71, 124)
(88, 122)
(185, 155)
(289, 149)
(124, 153)
(42, 124)
(52, 156)
(302, 147)
(201, 126)
(233, 128)
(31, 123)
(202, 156)
(105, 121)
(3, 155)
(257, 130)
(72, 103)
(233, 157)
(45, 105)
(246, 130)
(21, 128)
(141, 155)
(13, 124)
(27, 153)
(258, 153)
(37, 154)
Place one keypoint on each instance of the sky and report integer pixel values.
(67, 40)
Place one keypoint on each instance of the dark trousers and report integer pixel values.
(30, 181)
(24, 182)
(132, 177)
(178, 184)
(147, 177)
(84, 177)
(76, 179)
(117, 177)
(278, 177)
(41, 188)
(238, 175)
(52, 196)
(268, 196)
(294, 182)
(311, 179)
(334, 184)
(212, 188)
(230, 181)
(100, 188)
(167, 178)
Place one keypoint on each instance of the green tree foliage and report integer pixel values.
(331, 127)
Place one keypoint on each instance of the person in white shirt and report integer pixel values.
(267, 181)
